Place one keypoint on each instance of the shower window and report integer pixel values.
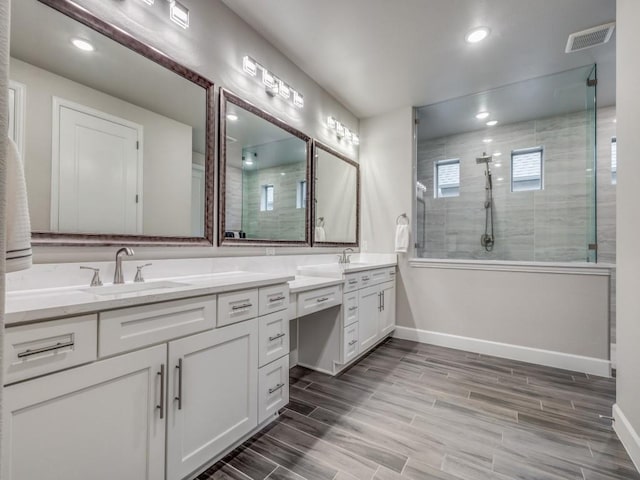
(301, 194)
(614, 161)
(447, 178)
(266, 198)
(526, 169)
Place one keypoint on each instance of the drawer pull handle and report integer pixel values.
(276, 299)
(161, 406)
(353, 282)
(179, 396)
(353, 342)
(323, 299)
(240, 307)
(35, 351)
(351, 309)
(276, 388)
(275, 337)
(366, 279)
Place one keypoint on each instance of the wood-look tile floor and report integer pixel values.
(414, 411)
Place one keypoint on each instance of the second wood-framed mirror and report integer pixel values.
(336, 190)
(117, 139)
(264, 173)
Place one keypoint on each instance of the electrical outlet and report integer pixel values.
(270, 251)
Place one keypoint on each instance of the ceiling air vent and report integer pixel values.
(590, 37)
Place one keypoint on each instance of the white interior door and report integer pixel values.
(96, 187)
(197, 200)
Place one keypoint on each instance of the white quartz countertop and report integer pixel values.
(303, 283)
(335, 270)
(29, 305)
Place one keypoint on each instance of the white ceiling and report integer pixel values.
(377, 55)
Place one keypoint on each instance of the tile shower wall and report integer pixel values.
(233, 214)
(285, 221)
(547, 225)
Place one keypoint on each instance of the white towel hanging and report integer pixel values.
(18, 246)
(402, 238)
(320, 235)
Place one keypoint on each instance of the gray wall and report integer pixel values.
(628, 225)
(552, 224)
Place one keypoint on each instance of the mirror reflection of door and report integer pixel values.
(97, 183)
(197, 200)
(17, 94)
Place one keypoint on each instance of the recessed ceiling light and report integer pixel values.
(497, 154)
(497, 165)
(82, 45)
(482, 115)
(477, 35)
(487, 140)
(248, 161)
(615, 120)
(232, 116)
(492, 123)
(282, 173)
(500, 179)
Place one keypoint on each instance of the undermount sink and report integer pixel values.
(132, 287)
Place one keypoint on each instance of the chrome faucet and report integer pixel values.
(345, 259)
(117, 276)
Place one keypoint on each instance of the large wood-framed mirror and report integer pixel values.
(265, 170)
(117, 139)
(336, 191)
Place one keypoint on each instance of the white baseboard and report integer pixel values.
(627, 435)
(567, 361)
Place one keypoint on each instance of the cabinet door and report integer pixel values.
(369, 304)
(388, 312)
(100, 421)
(213, 398)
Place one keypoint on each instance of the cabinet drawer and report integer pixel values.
(131, 328)
(350, 308)
(237, 306)
(351, 282)
(273, 337)
(34, 350)
(350, 340)
(319, 299)
(273, 388)
(273, 299)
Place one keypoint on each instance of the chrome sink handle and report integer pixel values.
(139, 278)
(95, 280)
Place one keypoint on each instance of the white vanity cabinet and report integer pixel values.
(101, 421)
(156, 391)
(377, 313)
(213, 401)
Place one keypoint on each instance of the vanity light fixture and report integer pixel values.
(487, 140)
(477, 34)
(179, 14)
(232, 117)
(273, 85)
(82, 45)
(149, 2)
(492, 123)
(342, 131)
(482, 115)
